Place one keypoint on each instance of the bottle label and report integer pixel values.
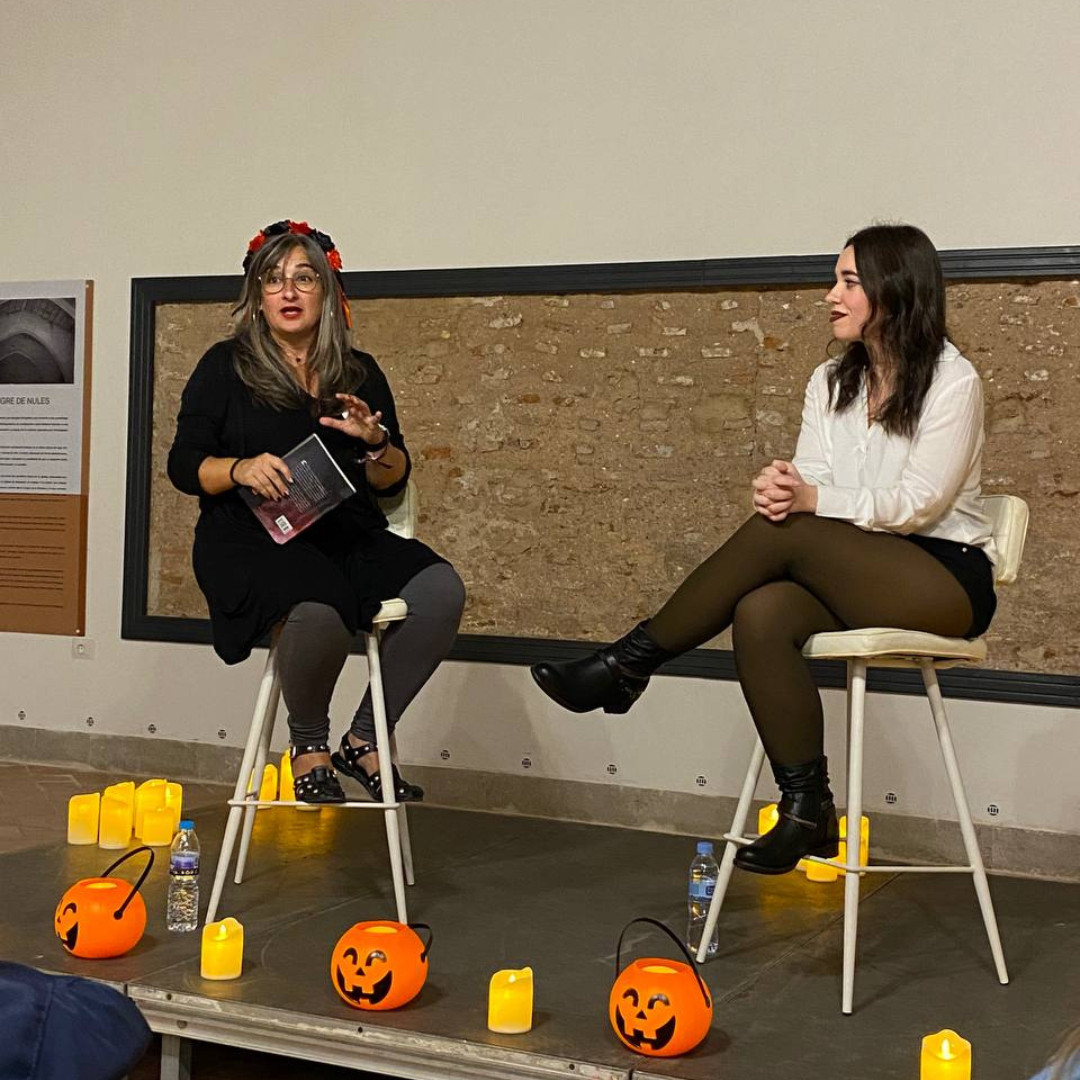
(184, 864)
(703, 889)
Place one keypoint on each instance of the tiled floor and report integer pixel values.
(33, 812)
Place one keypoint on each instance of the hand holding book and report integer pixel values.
(267, 475)
(316, 485)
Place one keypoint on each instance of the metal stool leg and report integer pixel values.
(393, 834)
(727, 863)
(232, 826)
(175, 1058)
(856, 704)
(967, 829)
(403, 826)
(260, 763)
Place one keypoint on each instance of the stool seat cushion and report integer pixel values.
(391, 611)
(886, 643)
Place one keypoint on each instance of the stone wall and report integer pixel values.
(577, 455)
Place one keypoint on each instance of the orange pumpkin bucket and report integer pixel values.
(103, 916)
(660, 1008)
(380, 965)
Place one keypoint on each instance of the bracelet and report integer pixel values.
(232, 468)
(373, 456)
(381, 444)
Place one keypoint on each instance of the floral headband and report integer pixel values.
(302, 228)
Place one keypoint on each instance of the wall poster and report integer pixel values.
(44, 459)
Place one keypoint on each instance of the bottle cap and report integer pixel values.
(704, 847)
(186, 824)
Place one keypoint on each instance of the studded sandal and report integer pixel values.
(320, 785)
(347, 760)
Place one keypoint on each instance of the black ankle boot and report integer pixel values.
(807, 824)
(612, 678)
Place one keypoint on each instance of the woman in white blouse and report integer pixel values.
(876, 522)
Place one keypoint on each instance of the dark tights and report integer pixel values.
(314, 644)
(777, 584)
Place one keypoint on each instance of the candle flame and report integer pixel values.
(222, 932)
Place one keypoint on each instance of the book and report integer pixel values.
(318, 485)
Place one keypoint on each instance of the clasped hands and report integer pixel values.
(269, 476)
(780, 490)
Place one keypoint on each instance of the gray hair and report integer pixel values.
(257, 356)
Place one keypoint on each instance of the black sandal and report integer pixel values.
(320, 785)
(347, 760)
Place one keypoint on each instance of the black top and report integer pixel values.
(348, 559)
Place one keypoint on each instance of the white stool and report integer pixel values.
(884, 647)
(401, 513)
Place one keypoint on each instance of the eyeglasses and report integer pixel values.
(273, 281)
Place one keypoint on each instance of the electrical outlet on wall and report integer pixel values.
(82, 648)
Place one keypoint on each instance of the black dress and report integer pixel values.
(348, 559)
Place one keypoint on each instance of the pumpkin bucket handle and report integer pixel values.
(119, 912)
(682, 949)
(431, 937)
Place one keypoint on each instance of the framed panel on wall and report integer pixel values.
(45, 336)
(582, 436)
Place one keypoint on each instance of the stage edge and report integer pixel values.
(336, 1042)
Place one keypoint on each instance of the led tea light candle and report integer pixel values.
(222, 950)
(157, 827)
(150, 793)
(125, 793)
(268, 789)
(510, 1001)
(945, 1056)
(115, 823)
(83, 818)
(286, 791)
(820, 872)
(174, 800)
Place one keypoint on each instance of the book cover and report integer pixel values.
(318, 485)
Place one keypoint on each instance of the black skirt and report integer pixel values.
(251, 583)
(973, 569)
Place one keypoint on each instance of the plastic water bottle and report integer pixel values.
(704, 871)
(182, 910)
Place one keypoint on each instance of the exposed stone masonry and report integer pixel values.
(577, 455)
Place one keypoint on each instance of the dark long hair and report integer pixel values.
(901, 275)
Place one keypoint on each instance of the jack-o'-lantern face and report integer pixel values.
(658, 1008)
(379, 965)
(67, 925)
(372, 972)
(93, 922)
(650, 1024)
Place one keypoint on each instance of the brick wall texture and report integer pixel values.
(577, 455)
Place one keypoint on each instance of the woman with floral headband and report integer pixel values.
(289, 371)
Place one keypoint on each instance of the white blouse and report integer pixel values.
(927, 484)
